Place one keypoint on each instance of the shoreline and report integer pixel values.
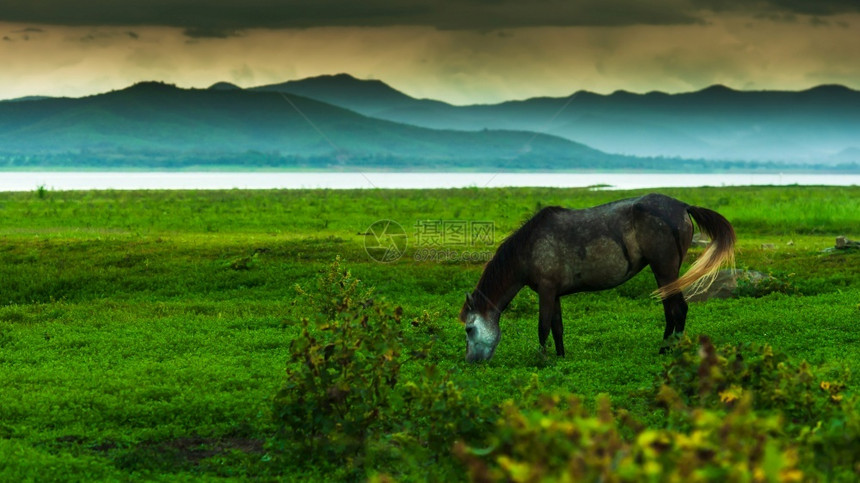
(224, 180)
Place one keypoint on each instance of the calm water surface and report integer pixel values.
(29, 181)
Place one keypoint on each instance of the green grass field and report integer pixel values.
(144, 334)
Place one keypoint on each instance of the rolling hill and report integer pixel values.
(819, 125)
(153, 123)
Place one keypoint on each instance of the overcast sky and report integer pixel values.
(458, 51)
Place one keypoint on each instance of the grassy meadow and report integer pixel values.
(144, 334)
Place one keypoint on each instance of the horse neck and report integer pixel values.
(498, 285)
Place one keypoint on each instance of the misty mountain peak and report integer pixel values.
(344, 81)
(717, 89)
(151, 87)
(366, 96)
(224, 86)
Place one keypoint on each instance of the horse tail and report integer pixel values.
(721, 251)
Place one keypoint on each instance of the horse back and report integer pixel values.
(604, 246)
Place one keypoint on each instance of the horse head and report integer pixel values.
(482, 331)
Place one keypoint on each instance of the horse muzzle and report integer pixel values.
(479, 351)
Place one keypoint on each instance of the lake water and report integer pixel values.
(58, 180)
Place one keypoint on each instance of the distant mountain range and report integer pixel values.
(153, 123)
(819, 125)
(342, 122)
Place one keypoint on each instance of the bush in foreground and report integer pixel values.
(561, 440)
(345, 398)
(819, 413)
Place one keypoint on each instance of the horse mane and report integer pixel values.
(500, 270)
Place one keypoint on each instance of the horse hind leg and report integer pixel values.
(558, 329)
(674, 307)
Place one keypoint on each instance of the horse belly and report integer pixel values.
(599, 264)
(606, 264)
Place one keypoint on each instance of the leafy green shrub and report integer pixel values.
(344, 398)
(337, 292)
(819, 415)
(702, 375)
(435, 413)
(439, 412)
(561, 440)
(342, 369)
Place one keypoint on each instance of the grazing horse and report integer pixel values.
(559, 251)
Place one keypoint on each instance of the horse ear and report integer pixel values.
(470, 302)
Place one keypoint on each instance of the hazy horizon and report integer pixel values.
(207, 86)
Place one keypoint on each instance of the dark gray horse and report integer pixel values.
(560, 251)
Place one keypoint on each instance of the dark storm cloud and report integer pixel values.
(816, 7)
(783, 7)
(224, 18)
(220, 18)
